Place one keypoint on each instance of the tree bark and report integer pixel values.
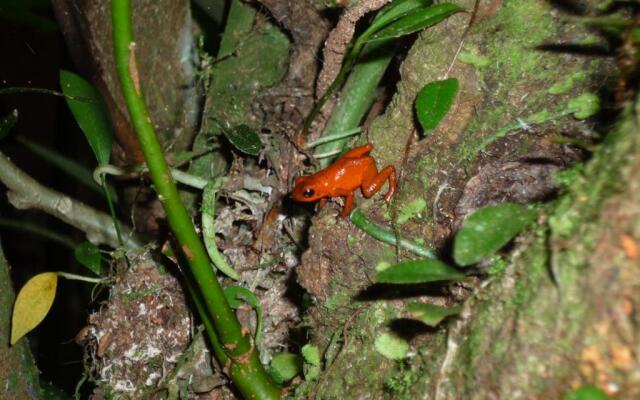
(563, 311)
(18, 372)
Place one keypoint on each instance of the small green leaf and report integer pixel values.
(430, 314)
(284, 367)
(585, 106)
(419, 271)
(89, 256)
(488, 229)
(237, 295)
(394, 11)
(7, 122)
(391, 346)
(416, 21)
(33, 304)
(89, 111)
(434, 102)
(587, 392)
(244, 139)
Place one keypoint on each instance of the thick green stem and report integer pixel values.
(357, 95)
(243, 365)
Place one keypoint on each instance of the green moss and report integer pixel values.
(391, 346)
(411, 210)
(539, 117)
(585, 106)
(565, 85)
(472, 57)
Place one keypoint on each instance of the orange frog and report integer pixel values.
(355, 169)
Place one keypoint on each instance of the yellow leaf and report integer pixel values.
(33, 304)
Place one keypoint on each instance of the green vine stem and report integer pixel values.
(243, 364)
(209, 230)
(361, 221)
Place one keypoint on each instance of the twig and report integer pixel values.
(26, 193)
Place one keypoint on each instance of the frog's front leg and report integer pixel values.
(372, 181)
(321, 203)
(348, 205)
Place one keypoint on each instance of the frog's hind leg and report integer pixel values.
(373, 180)
(358, 152)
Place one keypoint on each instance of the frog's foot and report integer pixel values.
(371, 185)
(348, 206)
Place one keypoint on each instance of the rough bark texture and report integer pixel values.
(165, 55)
(563, 311)
(18, 372)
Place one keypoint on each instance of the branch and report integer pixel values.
(26, 193)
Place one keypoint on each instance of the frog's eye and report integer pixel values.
(308, 193)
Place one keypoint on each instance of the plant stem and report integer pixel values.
(387, 236)
(357, 95)
(243, 364)
(209, 230)
(75, 277)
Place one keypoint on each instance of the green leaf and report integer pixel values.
(90, 113)
(416, 21)
(430, 314)
(33, 304)
(488, 229)
(284, 367)
(89, 256)
(587, 392)
(244, 139)
(434, 102)
(419, 271)
(394, 11)
(237, 295)
(7, 123)
(391, 346)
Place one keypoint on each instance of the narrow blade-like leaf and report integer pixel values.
(430, 314)
(416, 21)
(419, 271)
(488, 229)
(32, 304)
(434, 102)
(394, 11)
(90, 113)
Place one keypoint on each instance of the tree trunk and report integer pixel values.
(562, 312)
